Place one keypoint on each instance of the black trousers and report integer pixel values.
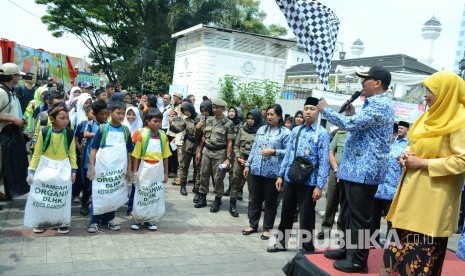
(301, 196)
(173, 159)
(263, 189)
(380, 209)
(86, 188)
(356, 210)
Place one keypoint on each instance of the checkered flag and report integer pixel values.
(316, 26)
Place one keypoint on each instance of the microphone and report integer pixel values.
(352, 98)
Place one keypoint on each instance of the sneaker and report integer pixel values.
(38, 230)
(76, 200)
(151, 226)
(63, 230)
(135, 226)
(93, 228)
(113, 226)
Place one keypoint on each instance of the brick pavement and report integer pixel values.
(189, 242)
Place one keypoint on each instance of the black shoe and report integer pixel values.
(335, 254)
(232, 208)
(248, 232)
(84, 210)
(349, 267)
(196, 198)
(183, 191)
(307, 249)
(275, 248)
(190, 181)
(202, 202)
(227, 192)
(263, 237)
(216, 205)
(321, 235)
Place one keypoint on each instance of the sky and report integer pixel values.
(385, 27)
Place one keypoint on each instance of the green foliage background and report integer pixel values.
(248, 95)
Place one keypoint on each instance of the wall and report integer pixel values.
(200, 68)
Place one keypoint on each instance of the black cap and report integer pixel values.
(377, 72)
(311, 101)
(404, 124)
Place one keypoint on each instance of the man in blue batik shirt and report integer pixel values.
(363, 163)
(303, 195)
(386, 190)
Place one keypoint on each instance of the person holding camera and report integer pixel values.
(302, 176)
(13, 155)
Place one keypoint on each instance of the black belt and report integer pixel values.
(216, 148)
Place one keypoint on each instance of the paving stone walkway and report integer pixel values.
(189, 241)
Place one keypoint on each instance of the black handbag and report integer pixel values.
(301, 167)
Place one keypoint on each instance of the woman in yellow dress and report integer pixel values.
(425, 209)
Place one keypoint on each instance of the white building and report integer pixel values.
(206, 54)
(430, 31)
(460, 51)
(297, 55)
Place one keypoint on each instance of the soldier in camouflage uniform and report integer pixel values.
(215, 149)
(189, 146)
(242, 147)
(205, 111)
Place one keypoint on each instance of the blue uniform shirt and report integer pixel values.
(267, 166)
(366, 151)
(387, 189)
(318, 153)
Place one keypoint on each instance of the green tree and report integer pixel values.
(255, 94)
(127, 37)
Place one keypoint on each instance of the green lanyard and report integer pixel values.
(145, 141)
(48, 140)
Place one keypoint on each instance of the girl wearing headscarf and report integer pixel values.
(242, 147)
(235, 117)
(78, 114)
(424, 212)
(73, 95)
(132, 119)
(28, 114)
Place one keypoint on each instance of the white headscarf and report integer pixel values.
(137, 122)
(79, 114)
(71, 96)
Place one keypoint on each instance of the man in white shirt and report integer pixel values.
(13, 156)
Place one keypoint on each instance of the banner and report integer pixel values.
(43, 64)
(95, 80)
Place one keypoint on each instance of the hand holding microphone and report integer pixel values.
(348, 103)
